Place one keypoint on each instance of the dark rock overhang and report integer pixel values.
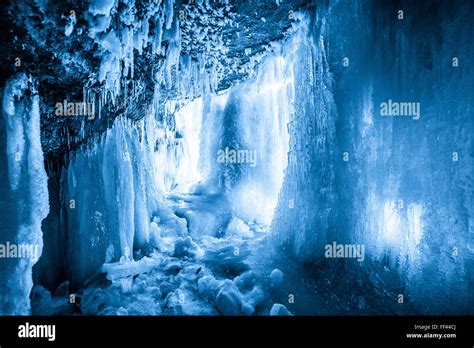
(52, 41)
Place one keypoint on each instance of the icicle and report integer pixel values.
(158, 35)
(82, 127)
(169, 12)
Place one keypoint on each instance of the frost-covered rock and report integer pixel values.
(42, 300)
(166, 287)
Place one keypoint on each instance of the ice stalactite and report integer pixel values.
(24, 201)
(121, 33)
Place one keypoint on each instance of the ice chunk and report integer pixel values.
(227, 254)
(184, 302)
(279, 310)
(185, 247)
(155, 234)
(202, 223)
(166, 287)
(122, 311)
(255, 297)
(229, 300)
(208, 287)
(130, 268)
(246, 280)
(247, 309)
(237, 227)
(276, 278)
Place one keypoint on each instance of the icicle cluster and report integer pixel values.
(121, 30)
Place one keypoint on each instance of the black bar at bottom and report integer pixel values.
(445, 330)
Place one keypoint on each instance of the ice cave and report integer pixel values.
(236, 157)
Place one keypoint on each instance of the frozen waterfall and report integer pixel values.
(327, 171)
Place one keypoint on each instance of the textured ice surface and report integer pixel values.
(113, 216)
(169, 214)
(392, 184)
(24, 192)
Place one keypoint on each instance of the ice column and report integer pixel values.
(24, 194)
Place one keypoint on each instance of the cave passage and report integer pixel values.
(236, 158)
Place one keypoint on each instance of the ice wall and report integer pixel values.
(401, 186)
(108, 196)
(305, 218)
(24, 193)
(408, 182)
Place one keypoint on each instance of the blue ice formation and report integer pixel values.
(223, 202)
(24, 192)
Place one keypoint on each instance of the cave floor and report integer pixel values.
(232, 271)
